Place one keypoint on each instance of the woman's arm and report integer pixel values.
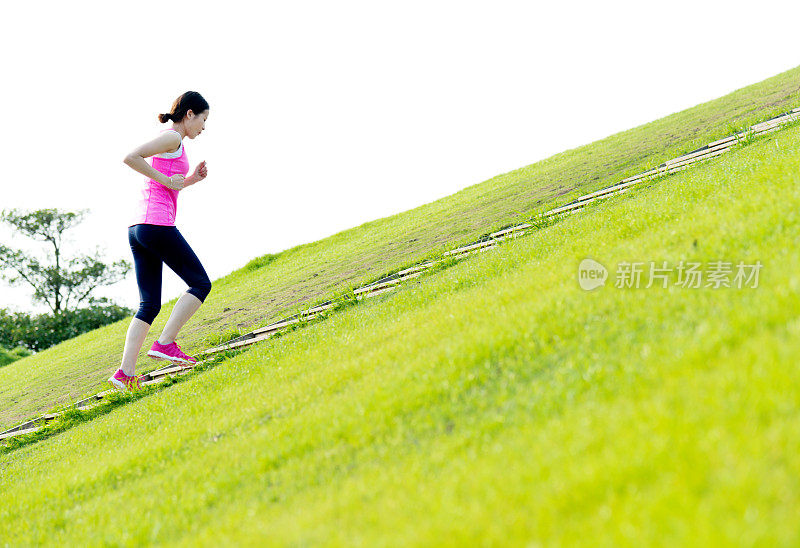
(166, 142)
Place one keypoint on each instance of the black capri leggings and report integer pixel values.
(153, 245)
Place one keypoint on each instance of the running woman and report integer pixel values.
(155, 239)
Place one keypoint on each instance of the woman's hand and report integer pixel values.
(177, 182)
(200, 172)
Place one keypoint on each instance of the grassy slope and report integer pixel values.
(494, 401)
(312, 272)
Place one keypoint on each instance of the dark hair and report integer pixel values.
(191, 100)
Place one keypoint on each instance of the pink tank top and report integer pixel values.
(158, 204)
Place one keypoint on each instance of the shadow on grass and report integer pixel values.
(72, 416)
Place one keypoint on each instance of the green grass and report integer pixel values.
(8, 356)
(493, 402)
(71, 417)
(275, 286)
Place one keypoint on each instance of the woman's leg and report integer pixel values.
(148, 277)
(178, 255)
(184, 309)
(137, 332)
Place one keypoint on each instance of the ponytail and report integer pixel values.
(191, 100)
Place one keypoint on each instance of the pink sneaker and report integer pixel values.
(171, 352)
(124, 382)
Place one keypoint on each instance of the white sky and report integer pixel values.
(325, 115)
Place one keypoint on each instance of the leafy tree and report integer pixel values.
(65, 282)
(62, 284)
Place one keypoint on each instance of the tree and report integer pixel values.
(63, 283)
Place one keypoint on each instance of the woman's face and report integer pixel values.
(195, 124)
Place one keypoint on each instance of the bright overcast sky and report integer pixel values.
(325, 115)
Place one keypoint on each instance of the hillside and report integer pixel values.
(492, 402)
(275, 286)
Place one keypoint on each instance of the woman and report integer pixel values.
(155, 239)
